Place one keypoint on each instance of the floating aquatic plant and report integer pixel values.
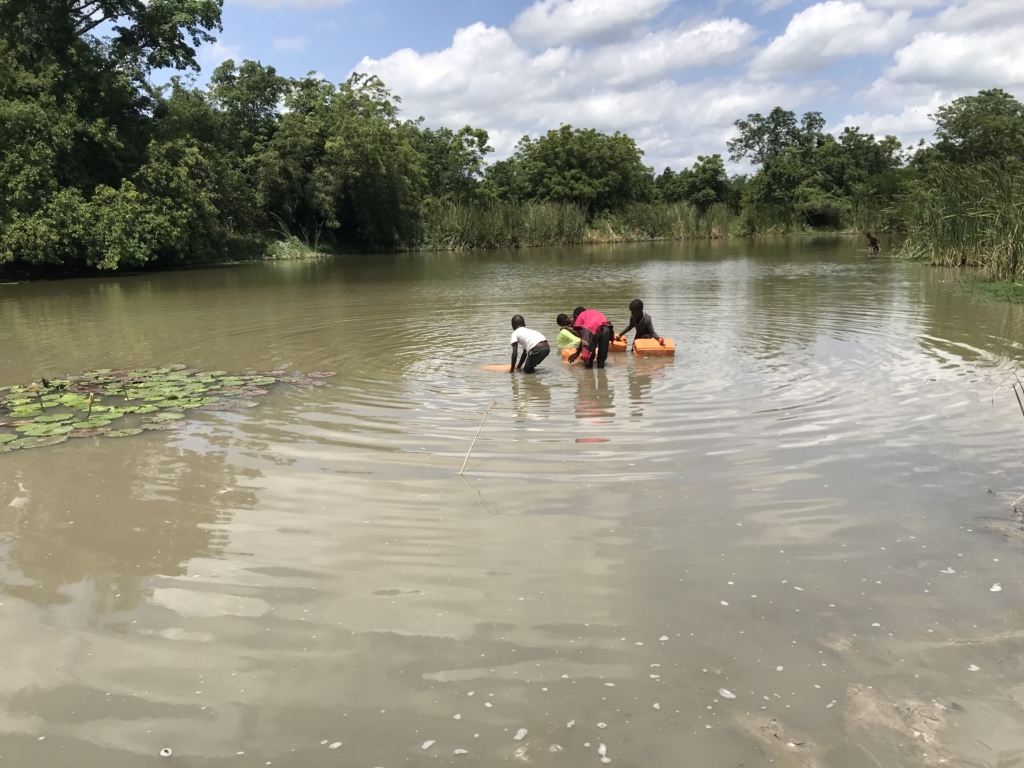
(118, 404)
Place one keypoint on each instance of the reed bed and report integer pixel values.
(967, 216)
(458, 226)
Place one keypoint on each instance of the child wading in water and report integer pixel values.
(535, 346)
(642, 322)
(595, 333)
(566, 338)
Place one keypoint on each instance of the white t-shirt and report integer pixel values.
(527, 338)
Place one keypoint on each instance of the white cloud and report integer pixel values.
(554, 22)
(216, 53)
(290, 43)
(828, 31)
(486, 78)
(979, 44)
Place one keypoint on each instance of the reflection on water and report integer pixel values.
(771, 548)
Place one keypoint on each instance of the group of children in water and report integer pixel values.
(588, 330)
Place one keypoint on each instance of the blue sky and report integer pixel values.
(674, 74)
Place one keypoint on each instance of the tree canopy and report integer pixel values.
(100, 169)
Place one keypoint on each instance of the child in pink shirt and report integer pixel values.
(595, 332)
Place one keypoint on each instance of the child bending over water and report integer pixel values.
(642, 322)
(595, 334)
(566, 338)
(535, 346)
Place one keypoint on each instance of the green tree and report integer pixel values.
(147, 33)
(452, 161)
(762, 139)
(704, 185)
(585, 167)
(981, 128)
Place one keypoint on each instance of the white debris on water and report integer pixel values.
(973, 668)
(570, 724)
(335, 745)
(876, 624)
(657, 706)
(429, 744)
(832, 704)
(487, 704)
(610, 685)
(555, 748)
(724, 603)
(948, 570)
(726, 694)
(520, 734)
(602, 725)
(779, 669)
(996, 588)
(664, 638)
(457, 717)
(602, 750)
(322, 743)
(461, 752)
(165, 752)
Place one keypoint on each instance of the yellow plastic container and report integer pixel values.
(617, 346)
(651, 348)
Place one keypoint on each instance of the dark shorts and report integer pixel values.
(534, 358)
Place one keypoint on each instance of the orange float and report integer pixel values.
(651, 348)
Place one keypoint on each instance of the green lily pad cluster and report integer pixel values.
(115, 404)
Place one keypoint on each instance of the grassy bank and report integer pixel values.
(967, 216)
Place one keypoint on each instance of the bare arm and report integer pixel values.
(512, 366)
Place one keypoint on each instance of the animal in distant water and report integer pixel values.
(873, 246)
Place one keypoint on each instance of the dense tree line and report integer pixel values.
(100, 169)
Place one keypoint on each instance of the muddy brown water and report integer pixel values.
(780, 554)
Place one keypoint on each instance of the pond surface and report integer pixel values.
(785, 551)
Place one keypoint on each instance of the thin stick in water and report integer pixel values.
(473, 444)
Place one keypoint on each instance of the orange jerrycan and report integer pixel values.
(617, 346)
(651, 348)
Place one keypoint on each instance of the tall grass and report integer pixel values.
(967, 216)
(458, 226)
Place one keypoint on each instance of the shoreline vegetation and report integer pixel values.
(102, 171)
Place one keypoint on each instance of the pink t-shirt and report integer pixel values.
(592, 320)
(589, 324)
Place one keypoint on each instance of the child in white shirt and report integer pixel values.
(535, 347)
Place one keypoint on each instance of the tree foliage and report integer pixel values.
(100, 170)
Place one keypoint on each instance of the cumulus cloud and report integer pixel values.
(486, 78)
(556, 22)
(979, 44)
(290, 43)
(828, 31)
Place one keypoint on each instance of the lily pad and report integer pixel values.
(123, 433)
(166, 416)
(161, 425)
(43, 442)
(7, 439)
(54, 418)
(45, 430)
(229, 405)
(322, 374)
(90, 432)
